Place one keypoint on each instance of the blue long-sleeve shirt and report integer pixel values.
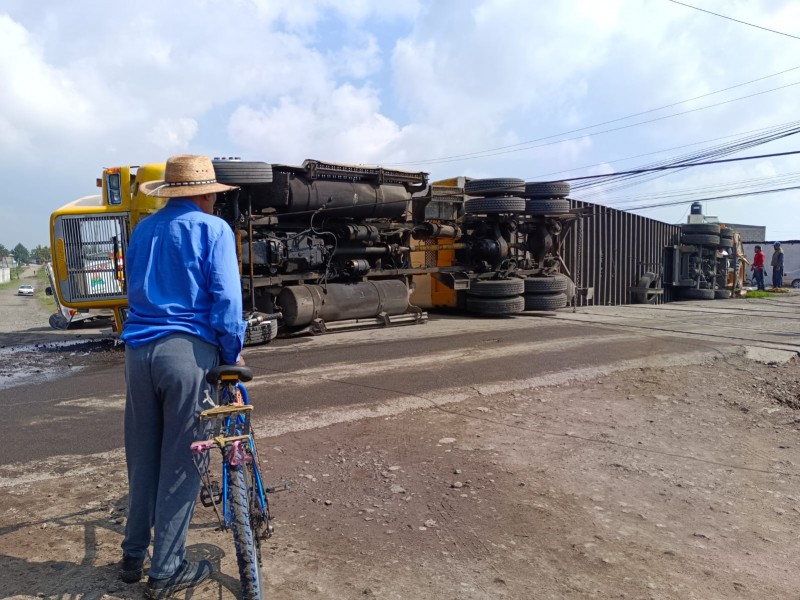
(183, 277)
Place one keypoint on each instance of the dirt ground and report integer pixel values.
(673, 482)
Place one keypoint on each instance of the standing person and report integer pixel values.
(758, 268)
(185, 316)
(777, 265)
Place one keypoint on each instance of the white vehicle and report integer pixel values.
(25, 290)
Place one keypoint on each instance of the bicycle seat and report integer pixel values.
(217, 373)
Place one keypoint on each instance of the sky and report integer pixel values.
(540, 90)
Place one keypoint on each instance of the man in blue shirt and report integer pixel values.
(185, 316)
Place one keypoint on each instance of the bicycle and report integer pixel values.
(243, 497)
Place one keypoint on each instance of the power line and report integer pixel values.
(714, 198)
(486, 153)
(771, 128)
(732, 19)
(625, 180)
(480, 152)
(681, 165)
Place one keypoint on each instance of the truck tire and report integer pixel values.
(494, 187)
(545, 301)
(494, 205)
(547, 189)
(545, 285)
(639, 295)
(722, 294)
(236, 172)
(553, 206)
(700, 239)
(496, 288)
(709, 228)
(495, 307)
(695, 294)
(58, 321)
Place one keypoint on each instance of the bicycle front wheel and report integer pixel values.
(243, 535)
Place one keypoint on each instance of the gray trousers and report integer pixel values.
(166, 384)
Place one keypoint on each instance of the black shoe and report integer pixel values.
(188, 575)
(132, 568)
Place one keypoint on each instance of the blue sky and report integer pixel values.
(412, 83)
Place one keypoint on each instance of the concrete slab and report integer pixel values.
(768, 356)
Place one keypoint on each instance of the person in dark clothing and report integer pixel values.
(758, 268)
(777, 265)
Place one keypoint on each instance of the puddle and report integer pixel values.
(28, 364)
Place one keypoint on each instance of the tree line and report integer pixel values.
(22, 255)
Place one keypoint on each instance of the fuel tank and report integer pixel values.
(302, 304)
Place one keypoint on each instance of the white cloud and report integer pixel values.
(284, 80)
(343, 124)
(173, 135)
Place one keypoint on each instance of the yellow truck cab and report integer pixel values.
(89, 238)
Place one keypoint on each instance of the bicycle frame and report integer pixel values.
(233, 435)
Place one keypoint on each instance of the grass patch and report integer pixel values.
(760, 294)
(42, 282)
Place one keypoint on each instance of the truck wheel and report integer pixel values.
(58, 321)
(722, 294)
(547, 189)
(546, 284)
(695, 294)
(235, 172)
(495, 307)
(494, 187)
(545, 301)
(700, 239)
(553, 206)
(640, 295)
(494, 205)
(709, 228)
(496, 288)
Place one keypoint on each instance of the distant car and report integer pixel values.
(791, 279)
(25, 290)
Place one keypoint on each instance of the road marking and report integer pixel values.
(431, 361)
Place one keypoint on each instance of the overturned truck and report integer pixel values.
(328, 246)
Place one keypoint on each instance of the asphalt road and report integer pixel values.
(303, 381)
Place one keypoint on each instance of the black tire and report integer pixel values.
(240, 172)
(640, 295)
(545, 301)
(496, 288)
(722, 294)
(708, 228)
(548, 284)
(243, 536)
(494, 187)
(796, 283)
(700, 239)
(547, 189)
(494, 205)
(554, 206)
(695, 294)
(58, 321)
(495, 307)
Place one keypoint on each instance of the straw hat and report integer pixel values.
(186, 175)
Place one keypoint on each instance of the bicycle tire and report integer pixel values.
(244, 539)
